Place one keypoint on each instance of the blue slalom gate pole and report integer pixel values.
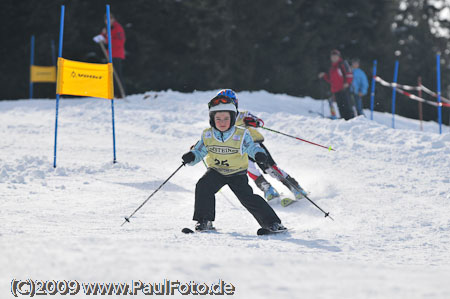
(112, 100)
(438, 70)
(31, 63)
(61, 33)
(372, 93)
(393, 93)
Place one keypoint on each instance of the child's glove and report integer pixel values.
(260, 157)
(253, 122)
(188, 158)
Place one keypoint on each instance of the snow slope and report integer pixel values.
(388, 191)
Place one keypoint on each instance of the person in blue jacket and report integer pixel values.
(227, 149)
(359, 85)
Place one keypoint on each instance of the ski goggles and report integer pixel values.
(220, 99)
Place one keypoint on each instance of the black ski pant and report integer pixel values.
(211, 182)
(118, 66)
(345, 103)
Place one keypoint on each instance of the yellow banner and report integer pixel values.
(85, 79)
(42, 74)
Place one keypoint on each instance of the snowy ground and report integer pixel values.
(388, 191)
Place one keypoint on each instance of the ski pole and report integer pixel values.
(329, 148)
(281, 178)
(116, 76)
(329, 99)
(127, 219)
(327, 214)
(322, 95)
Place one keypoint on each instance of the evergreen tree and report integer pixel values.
(278, 46)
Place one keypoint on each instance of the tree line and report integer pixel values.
(279, 46)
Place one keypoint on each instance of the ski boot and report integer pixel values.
(295, 188)
(276, 227)
(204, 225)
(299, 194)
(269, 191)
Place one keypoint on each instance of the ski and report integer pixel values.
(284, 201)
(318, 113)
(287, 201)
(187, 230)
(260, 232)
(264, 231)
(315, 112)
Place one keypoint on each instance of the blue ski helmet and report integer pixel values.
(230, 94)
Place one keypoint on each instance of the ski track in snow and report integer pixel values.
(388, 191)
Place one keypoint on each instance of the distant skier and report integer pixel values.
(340, 77)
(251, 122)
(227, 148)
(359, 85)
(118, 39)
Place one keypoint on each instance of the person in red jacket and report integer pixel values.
(340, 77)
(117, 46)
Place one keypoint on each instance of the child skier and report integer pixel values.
(227, 148)
(250, 122)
